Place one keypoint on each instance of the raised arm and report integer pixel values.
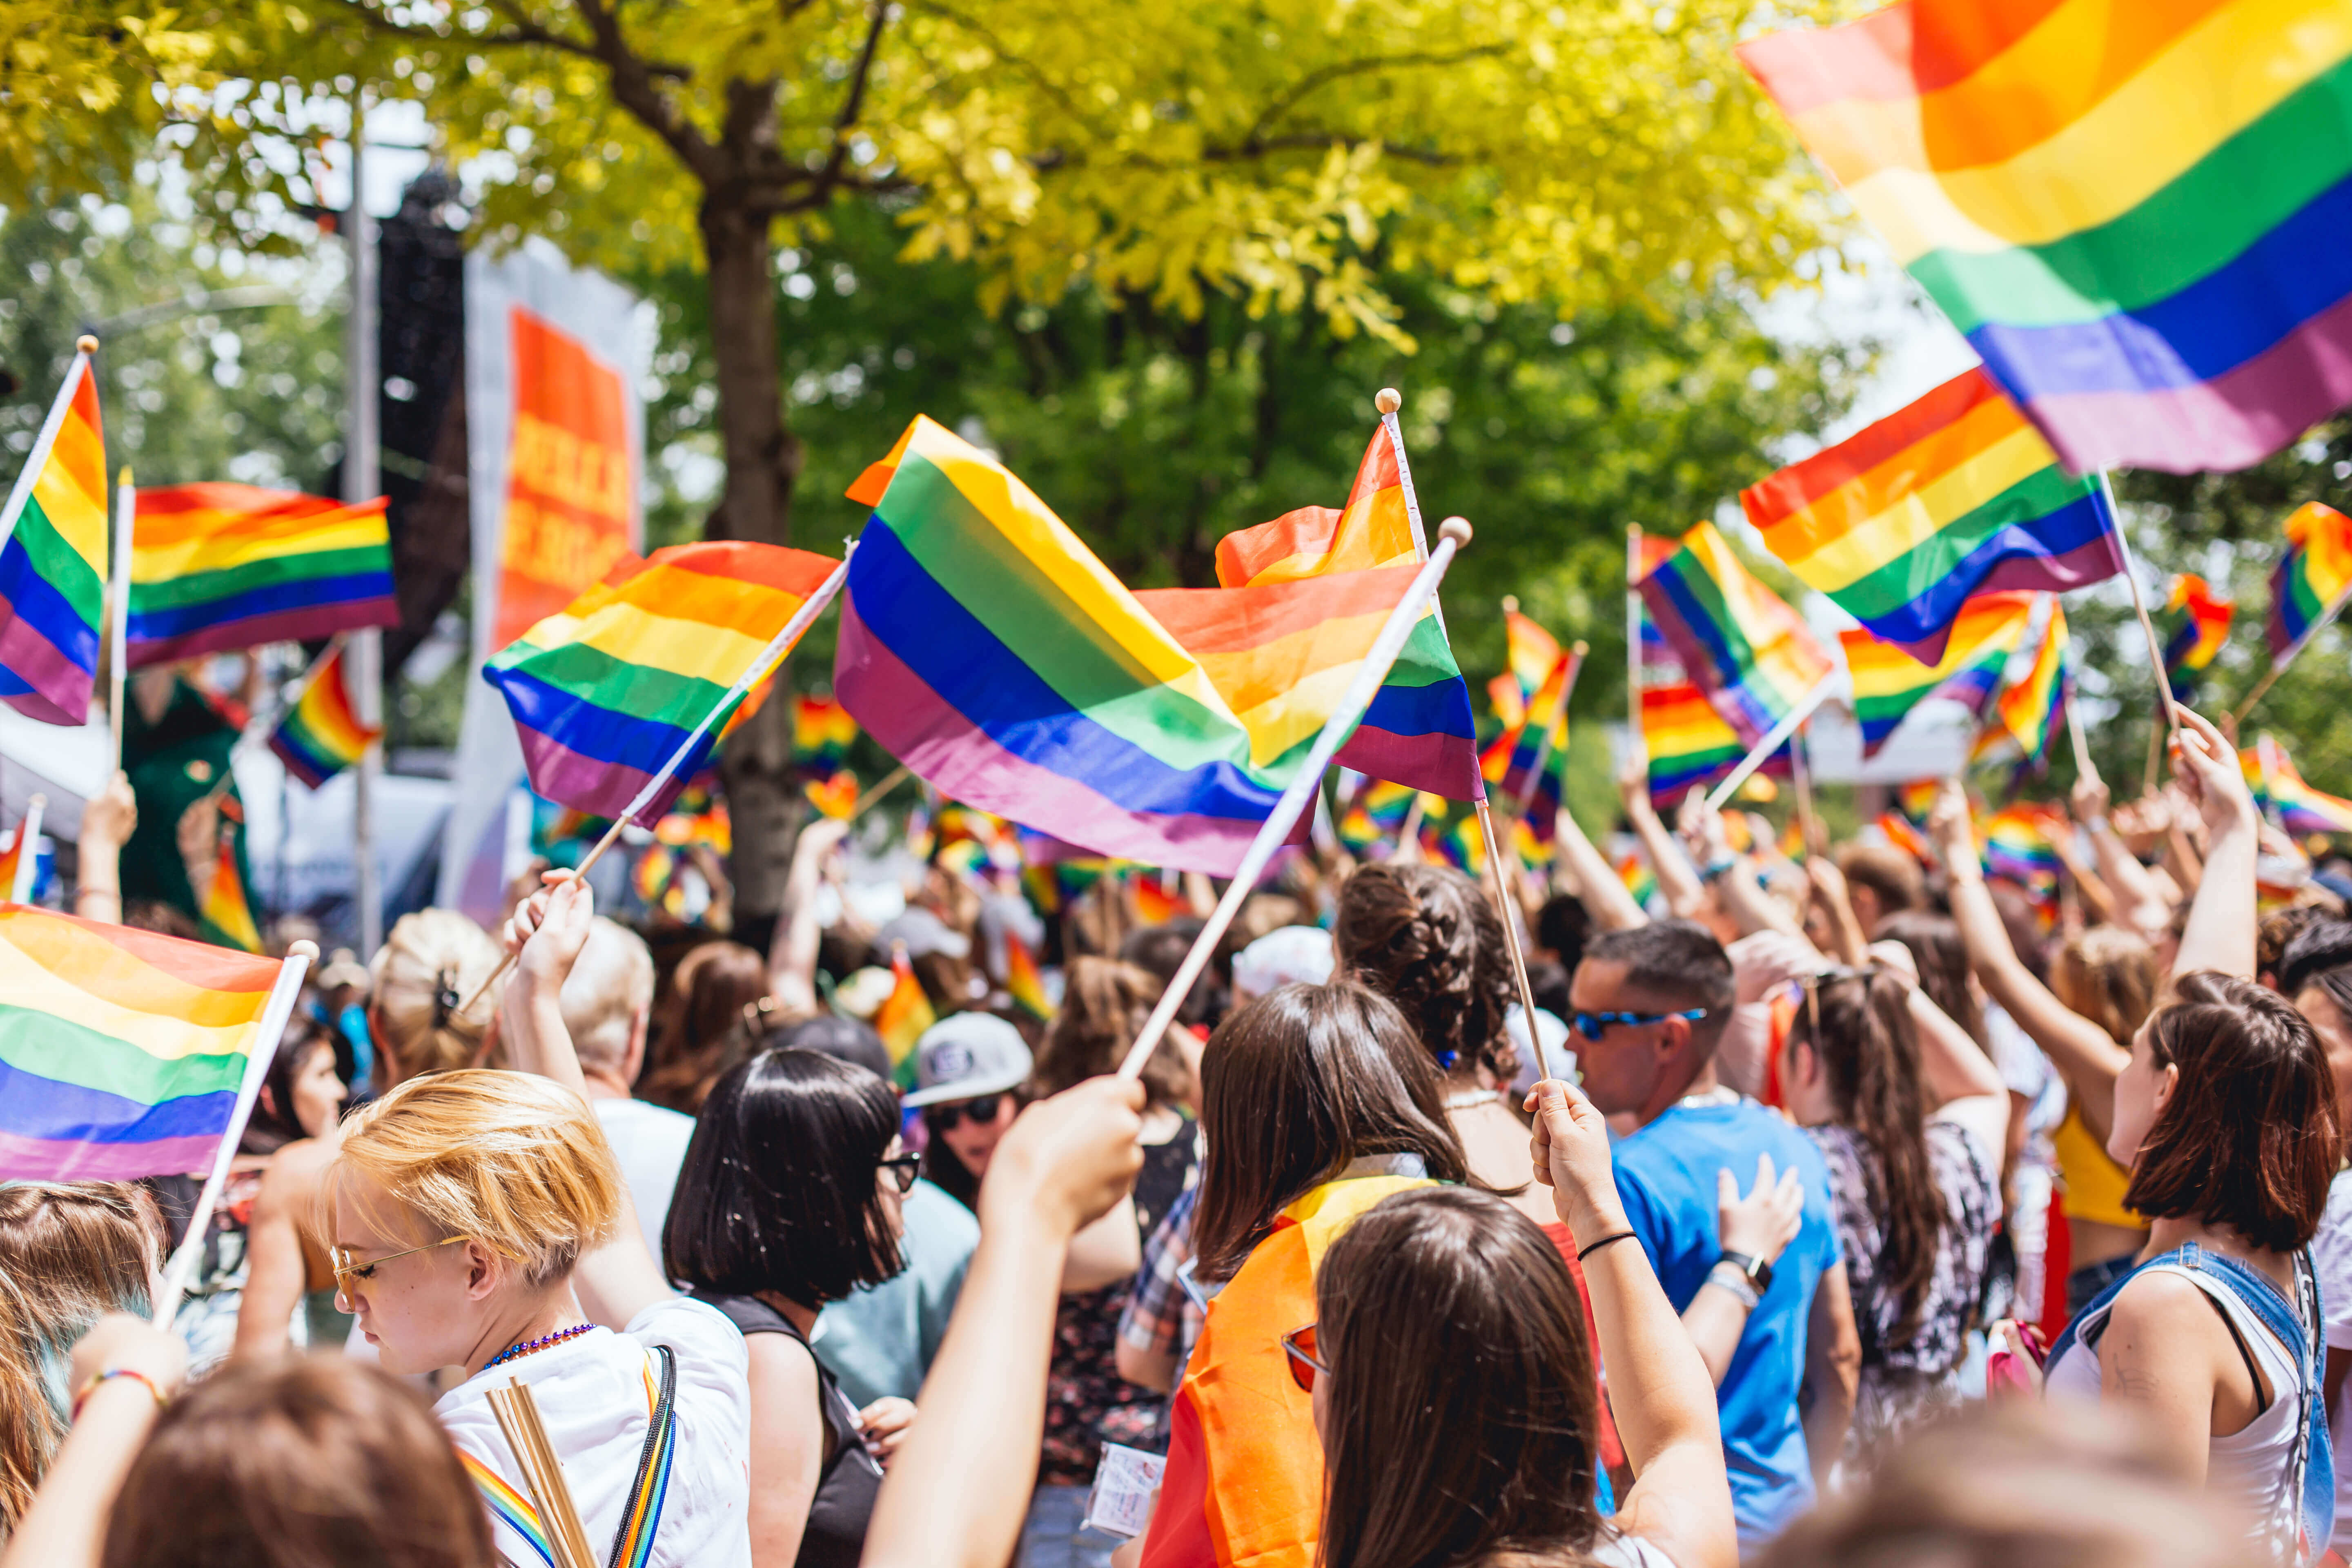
(2139, 904)
(958, 1486)
(1677, 878)
(791, 955)
(621, 1278)
(2221, 917)
(1830, 892)
(1605, 896)
(1660, 1390)
(1733, 876)
(108, 820)
(2089, 1057)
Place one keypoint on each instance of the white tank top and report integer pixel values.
(2247, 1466)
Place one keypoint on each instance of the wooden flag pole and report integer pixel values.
(1772, 741)
(890, 780)
(117, 633)
(2278, 664)
(2139, 606)
(274, 1014)
(1452, 536)
(1510, 918)
(761, 664)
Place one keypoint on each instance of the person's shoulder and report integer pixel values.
(941, 1216)
(643, 1116)
(2165, 1299)
(695, 1329)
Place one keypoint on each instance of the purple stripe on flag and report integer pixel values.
(54, 689)
(2228, 423)
(913, 723)
(25, 1158)
(1440, 765)
(584, 783)
(310, 623)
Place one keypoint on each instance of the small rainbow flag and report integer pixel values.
(217, 567)
(1530, 653)
(53, 559)
(985, 647)
(1901, 833)
(1022, 981)
(822, 732)
(2135, 212)
(13, 861)
(122, 1051)
(834, 797)
(322, 734)
(1740, 643)
(2194, 622)
(1419, 730)
(606, 690)
(1639, 879)
(1953, 496)
(1916, 799)
(2316, 571)
(1154, 904)
(1688, 741)
(1888, 682)
(224, 913)
(2017, 846)
(2281, 795)
(2031, 709)
(903, 1016)
(1535, 769)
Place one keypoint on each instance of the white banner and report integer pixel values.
(555, 444)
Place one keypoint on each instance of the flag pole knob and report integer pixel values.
(303, 948)
(1456, 528)
(85, 343)
(1581, 649)
(1388, 400)
(1510, 604)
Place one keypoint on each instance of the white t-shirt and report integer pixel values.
(594, 1395)
(1618, 1551)
(2331, 1259)
(649, 1141)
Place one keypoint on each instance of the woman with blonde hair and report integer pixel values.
(477, 1218)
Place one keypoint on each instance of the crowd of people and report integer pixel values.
(1842, 1207)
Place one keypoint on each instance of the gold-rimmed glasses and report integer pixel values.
(339, 1259)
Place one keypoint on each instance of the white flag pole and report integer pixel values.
(274, 1014)
(1771, 741)
(118, 634)
(1452, 536)
(20, 886)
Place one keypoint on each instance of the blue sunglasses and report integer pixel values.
(1590, 1025)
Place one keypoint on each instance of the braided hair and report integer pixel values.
(1427, 938)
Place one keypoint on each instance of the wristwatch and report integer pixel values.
(1758, 1272)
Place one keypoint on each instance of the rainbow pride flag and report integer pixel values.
(985, 647)
(1535, 770)
(2135, 213)
(2316, 571)
(1900, 833)
(1529, 655)
(2281, 795)
(606, 690)
(1953, 496)
(224, 912)
(217, 567)
(1022, 981)
(1419, 730)
(822, 732)
(903, 1016)
(1154, 904)
(122, 1051)
(1688, 741)
(1639, 879)
(17, 860)
(322, 734)
(2017, 846)
(2031, 711)
(836, 797)
(2194, 622)
(1738, 641)
(1888, 682)
(53, 546)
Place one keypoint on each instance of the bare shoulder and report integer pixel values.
(2161, 1302)
(296, 1173)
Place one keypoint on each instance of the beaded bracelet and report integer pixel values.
(111, 1373)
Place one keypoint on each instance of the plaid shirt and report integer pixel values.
(1162, 1316)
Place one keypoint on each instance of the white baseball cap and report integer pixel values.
(967, 1055)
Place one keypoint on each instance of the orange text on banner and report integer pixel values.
(568, 478)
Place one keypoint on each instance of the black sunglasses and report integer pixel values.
(906, 1168)
(945, 1118)
(1592, 1026)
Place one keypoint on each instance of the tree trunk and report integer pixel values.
(763, 460)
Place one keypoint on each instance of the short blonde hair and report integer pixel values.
(511, 1159)
(2108, 975)
(610, 984)
(419, 984)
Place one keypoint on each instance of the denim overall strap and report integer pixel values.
(2303, 1514)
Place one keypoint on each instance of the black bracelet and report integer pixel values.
(1584, 1252)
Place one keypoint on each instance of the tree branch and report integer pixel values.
(634, 89)
(1303, 140)
(852, 104)
(1316, 80)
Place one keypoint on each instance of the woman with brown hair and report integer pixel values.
(1909, 1114)
(704, 1028)
(1316, 1101)
(69, 1254)
(1451, 1379)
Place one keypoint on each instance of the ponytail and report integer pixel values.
(1859, 1025)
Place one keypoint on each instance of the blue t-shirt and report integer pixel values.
(1665, 1177)
(882, 1338)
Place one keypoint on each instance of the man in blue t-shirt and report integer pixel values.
(1651, 1003)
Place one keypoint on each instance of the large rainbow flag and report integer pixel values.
(1888, 682)
(2031, 710)
(2194, 622)
(2135, 212)
(1419, 730)
(1738, 641)
(987, 648)
(1953, 496)
(122, 1051)
(1688, 741)
(2316, 571)
(606, 690)
(53, 559)
(215, 567)
(322, 734)
(2281, 795)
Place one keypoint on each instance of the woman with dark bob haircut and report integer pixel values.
(789, 1199)
(1316, 1102)
(2226, 1117)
